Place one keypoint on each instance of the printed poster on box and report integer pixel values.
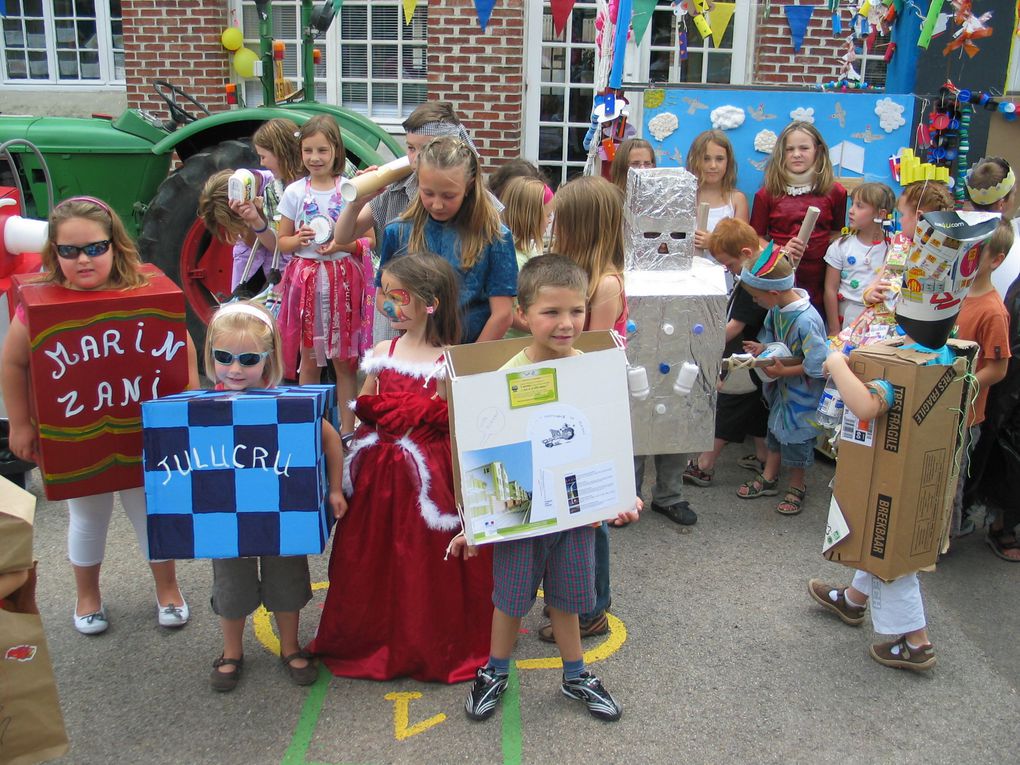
(95, 356)
(541, 448)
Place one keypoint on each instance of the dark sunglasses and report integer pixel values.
(72, 251)
(226, 358)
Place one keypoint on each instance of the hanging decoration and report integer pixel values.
(797, 18)
(719, 17)
(623, 12)
(930, 21)
(483, 8)
(232, 38)
(560, 13)
(409, 6)
(971, 28)
(641, 17)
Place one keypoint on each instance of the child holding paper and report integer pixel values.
(552, 295)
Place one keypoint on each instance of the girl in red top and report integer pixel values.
(799, 175)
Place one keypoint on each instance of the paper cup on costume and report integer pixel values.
(940, 269)
(322, 228)
(242, 186)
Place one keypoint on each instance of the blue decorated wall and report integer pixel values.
(849, 117)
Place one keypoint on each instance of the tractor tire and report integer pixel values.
(174, 239)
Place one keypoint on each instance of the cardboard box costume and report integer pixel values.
(677, 309)
(539, 449)
(237, 473)
(95, 356)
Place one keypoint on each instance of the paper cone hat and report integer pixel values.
(940, 268)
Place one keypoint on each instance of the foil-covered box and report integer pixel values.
(678, 318)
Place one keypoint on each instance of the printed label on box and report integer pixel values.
(591, 489)
(532, 387)
(836, 527)
(856, 430)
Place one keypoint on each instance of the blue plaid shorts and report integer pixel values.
(564, 561)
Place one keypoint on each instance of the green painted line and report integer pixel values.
(512, 719)
(307, 720)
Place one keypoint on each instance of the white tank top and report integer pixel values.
(716, 214)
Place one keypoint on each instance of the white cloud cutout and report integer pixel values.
(727, 117)
(662, 126)
(800, 114)
(765, 141)
(890, 114)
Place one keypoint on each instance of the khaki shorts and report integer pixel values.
(238, 587)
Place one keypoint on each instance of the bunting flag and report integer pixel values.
(837, 25)
(641, 17)
(484, 10)
(719, 18)
(797, 18)
(560, 13)
(409, 10)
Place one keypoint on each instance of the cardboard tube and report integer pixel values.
(702, 219)
(366, 183)
(810, 218)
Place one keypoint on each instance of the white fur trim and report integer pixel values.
(357, 446)
(373, 364)
(353, 404)
(433, 518)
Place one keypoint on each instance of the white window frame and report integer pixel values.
(866, 55)
(328, 72)
(636, 68)
(53, 83)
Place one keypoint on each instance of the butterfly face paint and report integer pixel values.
(393, 303)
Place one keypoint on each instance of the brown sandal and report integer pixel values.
(791, 504)
(758, 487)
(305, 675)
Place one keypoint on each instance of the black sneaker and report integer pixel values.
(485, 693)
(590, 690)
(678, 513)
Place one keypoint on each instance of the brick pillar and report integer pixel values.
(820, 56)
(177, 41)
(481, 74)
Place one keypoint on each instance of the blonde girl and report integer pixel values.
(454, 217)
(88, 249)
(526, 218)
(799, 175)
(634, 152)
(326, 312)
(710, 158)
(242, 352)
(588, 228)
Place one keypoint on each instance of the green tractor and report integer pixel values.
(125, 162)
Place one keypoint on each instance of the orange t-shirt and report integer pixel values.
(984, 320)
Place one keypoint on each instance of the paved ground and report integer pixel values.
(718, 656)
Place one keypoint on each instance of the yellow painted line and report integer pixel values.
(101, 317)
(616, 638)
(263, 624)
(104, 464)
(401, 704)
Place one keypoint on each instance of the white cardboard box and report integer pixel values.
(542, 448)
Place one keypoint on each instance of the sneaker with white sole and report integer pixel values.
(589, 689)
(899, 655)
(488, 687)
(91, 624)
(173, 616)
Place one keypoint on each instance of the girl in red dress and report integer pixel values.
(397, 606)
(799, 175)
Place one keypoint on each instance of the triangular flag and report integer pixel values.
(719, 17)
(798, 17)
(409, 10)
(640, 17)
(560, 13)
(484, 10)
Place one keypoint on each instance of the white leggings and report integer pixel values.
(90, 521)
(896, 606)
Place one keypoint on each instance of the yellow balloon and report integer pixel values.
(232, 39)
(244, 62)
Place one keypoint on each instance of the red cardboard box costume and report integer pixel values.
(96, 355)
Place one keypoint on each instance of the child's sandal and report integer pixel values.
(791, 504)
(694, 474)
(758, 487)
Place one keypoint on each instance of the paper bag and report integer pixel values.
(17, 514)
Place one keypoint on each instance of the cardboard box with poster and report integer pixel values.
(896, 475)
(541, 448)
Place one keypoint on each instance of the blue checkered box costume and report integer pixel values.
(233, 474)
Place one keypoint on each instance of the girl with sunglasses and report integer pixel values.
(88, 249)
(242, 351)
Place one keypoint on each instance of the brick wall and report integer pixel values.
(819, 59)
(481, 74)
(177, 41)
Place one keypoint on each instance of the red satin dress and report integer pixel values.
(395, 607)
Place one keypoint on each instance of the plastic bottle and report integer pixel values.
(830, 406)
